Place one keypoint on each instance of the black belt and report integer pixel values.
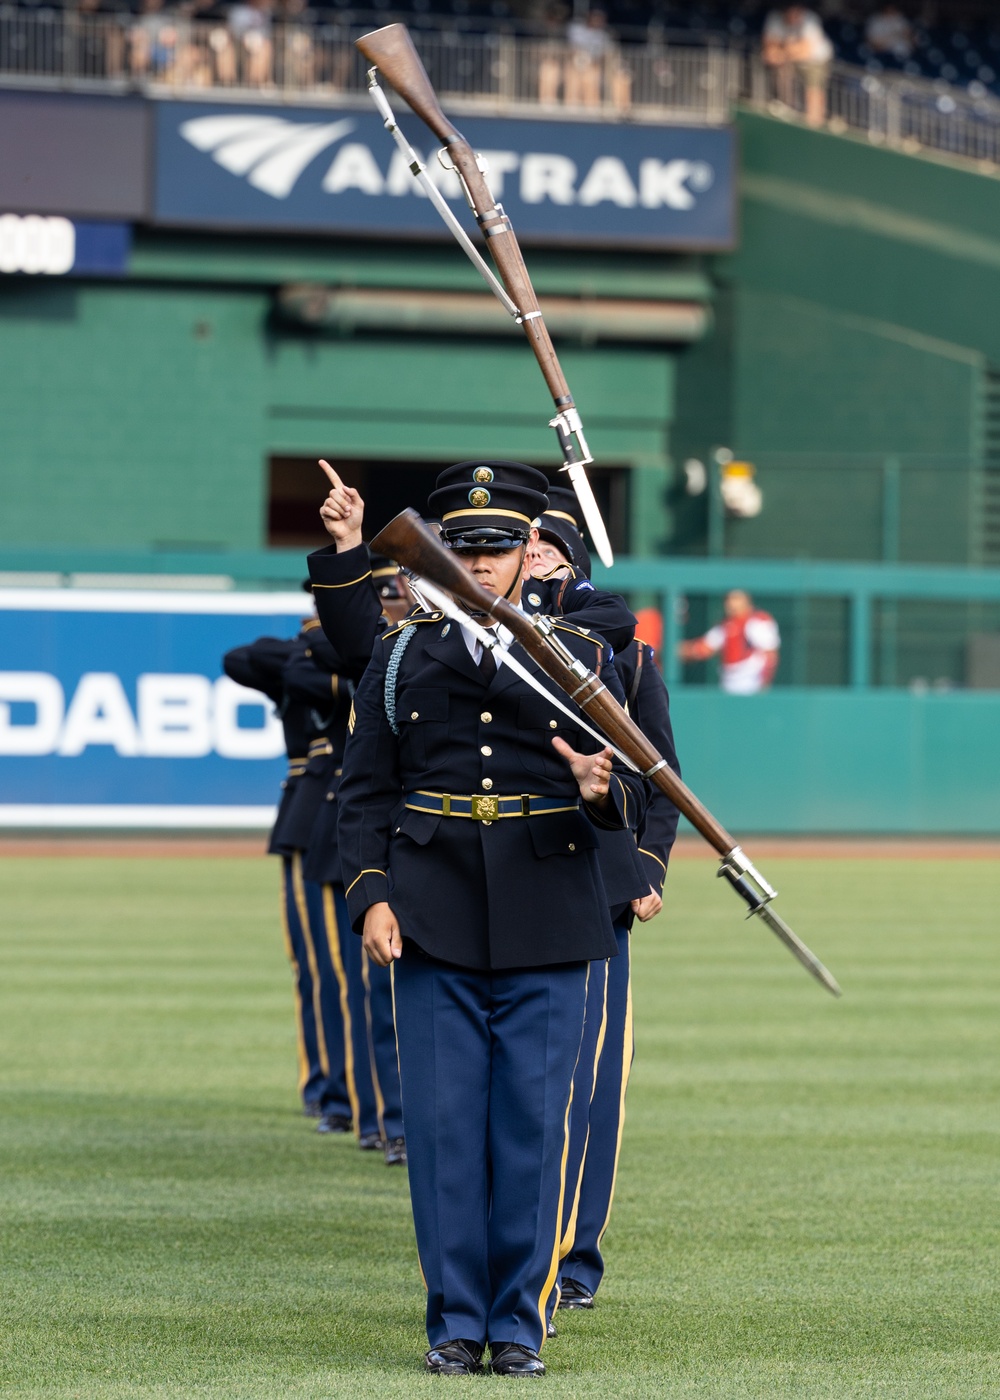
(485, 807)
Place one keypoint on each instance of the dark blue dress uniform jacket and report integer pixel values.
(521, 892)
(314, 677)
(259, 666)
(347, 604)
(572, 595)
(349, 609)
(649, 706)
(575, 597)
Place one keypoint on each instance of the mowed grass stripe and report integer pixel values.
(807, 1201)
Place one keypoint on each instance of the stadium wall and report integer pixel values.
(855, 320)
(142, 414)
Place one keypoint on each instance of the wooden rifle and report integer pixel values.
(412, 544)
(391, 51)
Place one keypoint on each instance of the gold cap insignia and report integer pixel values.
(479, 497)
(483, 474)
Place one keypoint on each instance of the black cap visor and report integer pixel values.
(484, 539)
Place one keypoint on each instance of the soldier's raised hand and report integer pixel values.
(342, 512)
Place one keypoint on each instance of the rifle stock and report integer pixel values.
(391, 50)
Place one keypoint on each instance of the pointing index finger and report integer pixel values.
(332, 476)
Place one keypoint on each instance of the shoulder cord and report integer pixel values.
(391, 674)
(561, 594)
(633, 689)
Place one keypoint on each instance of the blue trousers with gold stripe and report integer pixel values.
(381, 1027)
(487, 1062)
(318, 992)
(598, 1116)
(372, 1061)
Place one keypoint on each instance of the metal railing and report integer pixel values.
(905, 113)
(894, 625)
(890, 626)
(690, 77)
(171, 56)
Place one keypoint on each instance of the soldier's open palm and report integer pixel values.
(592, 771)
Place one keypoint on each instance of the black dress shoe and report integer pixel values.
(395, 1152)
(550, 1329)
(512, 1359)
(335, 1123)
(574, 1295)
(461, 1358)
(370, 1142)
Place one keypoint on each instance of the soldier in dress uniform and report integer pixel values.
(469, 811)
(322, 1059)
(560, 575)
(365, 993)
(557, 551)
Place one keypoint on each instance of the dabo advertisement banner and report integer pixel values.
(114, 710)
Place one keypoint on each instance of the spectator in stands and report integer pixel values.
(552, 56)
(154, 42)
(297, 48)
(97, 29)
(244, 49)
(747, 642)
(594, 61)
(797, 50)
(889, 33)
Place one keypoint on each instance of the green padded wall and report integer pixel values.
(143, 413)
(859, 319)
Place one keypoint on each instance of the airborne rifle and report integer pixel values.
(391, 50)
(409, 541)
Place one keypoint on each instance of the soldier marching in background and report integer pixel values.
(634, 883)
(369, 1039)
(323, 1080)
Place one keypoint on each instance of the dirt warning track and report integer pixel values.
(188, 846)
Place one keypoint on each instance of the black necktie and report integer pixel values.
(487, 665)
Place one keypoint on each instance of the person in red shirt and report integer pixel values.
(747, 643)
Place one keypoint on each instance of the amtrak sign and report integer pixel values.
(300, 169)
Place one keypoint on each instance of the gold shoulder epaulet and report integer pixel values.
(310, 624)
(409, 621)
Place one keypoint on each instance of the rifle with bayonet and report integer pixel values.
(391, 51)
(439, 577)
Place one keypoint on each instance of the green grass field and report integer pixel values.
(809, 1197)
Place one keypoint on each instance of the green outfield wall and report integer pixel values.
(142, 414)
(857, 317)
(840, 762)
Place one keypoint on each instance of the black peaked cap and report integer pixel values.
(472, 497)
(560, 524)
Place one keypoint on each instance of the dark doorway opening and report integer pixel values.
(297, 488)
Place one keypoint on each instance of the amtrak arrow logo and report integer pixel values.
(270, 151)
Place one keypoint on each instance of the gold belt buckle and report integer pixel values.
(485, 809)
